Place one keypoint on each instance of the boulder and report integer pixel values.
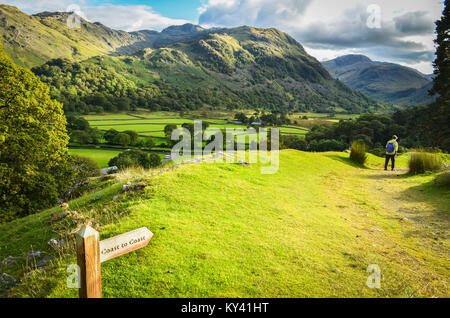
(56, 244)
(34, 254)
(109, 170)
(7, 281)
(10, 260)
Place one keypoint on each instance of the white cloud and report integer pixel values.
(332, 28)
(129, 18)
(263, 13)
(123, 17)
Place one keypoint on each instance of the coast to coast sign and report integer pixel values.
(91, 252)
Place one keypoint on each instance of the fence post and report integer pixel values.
(88, 258)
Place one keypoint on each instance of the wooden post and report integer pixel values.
(88, 257)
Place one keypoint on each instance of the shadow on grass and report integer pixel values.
(347, 161)
(399, 174)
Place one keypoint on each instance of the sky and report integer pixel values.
(398, 31)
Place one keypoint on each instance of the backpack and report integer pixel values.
(390, 147)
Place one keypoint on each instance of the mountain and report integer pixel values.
(32, 40)
(182, 67)
(391, 83)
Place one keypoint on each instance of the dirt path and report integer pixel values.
(406, 223)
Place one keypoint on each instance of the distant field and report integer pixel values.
(152, 124)
(101, 156)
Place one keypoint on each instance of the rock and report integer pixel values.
(136, 187)
(43, 262)
(7, 281)
(126, 187)
(56, 244)
(55, 217)
(109, 170)
(10, 260)
(405, 219)
(34, 254)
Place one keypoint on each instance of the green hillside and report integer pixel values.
(223, 230)
(388, 82)
(31, 40)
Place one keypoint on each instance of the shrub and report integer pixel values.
(155, 160)
(135, 158)
(293, 142)
(358, 152)
(122, 139)
(443, 179)
(421, 161)
(327, 145)
(84, 168)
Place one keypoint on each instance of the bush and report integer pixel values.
(421, 161)
(293, 142)
(83, 168)
(327, 145)
(135, 158)
(358, 152)
(122, 139)
(443, 179)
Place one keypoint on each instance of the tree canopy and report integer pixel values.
(33, 141)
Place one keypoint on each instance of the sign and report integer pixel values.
(91, 252)
(124, 243)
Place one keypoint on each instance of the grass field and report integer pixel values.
(101, 156)
(225, 230)
(152, 123)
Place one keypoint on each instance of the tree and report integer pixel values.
(33, 143)
(122, 139)
(293, 142)
(442, 63)
(134, 137)
(150, 143)
(168, 130)
(110, 135)
(135, 158)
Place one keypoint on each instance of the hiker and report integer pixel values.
(391, 152)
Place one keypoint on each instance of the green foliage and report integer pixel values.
(122, 139)
(358, 152)
(421, 162)
(293, 142)
(442, 62)
(110, 135)
(327, 145)
(135, 158)
(149, 143)
(33, 143)
(83, 168)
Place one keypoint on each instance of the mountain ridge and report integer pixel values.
(180, 67)
(388, 82)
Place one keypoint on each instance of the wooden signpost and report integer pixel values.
(91, 252)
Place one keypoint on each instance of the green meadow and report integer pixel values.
(152, 123)
(101, 156)
(226, 230)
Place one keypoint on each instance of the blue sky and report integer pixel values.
(175, 9)
(398, 31)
